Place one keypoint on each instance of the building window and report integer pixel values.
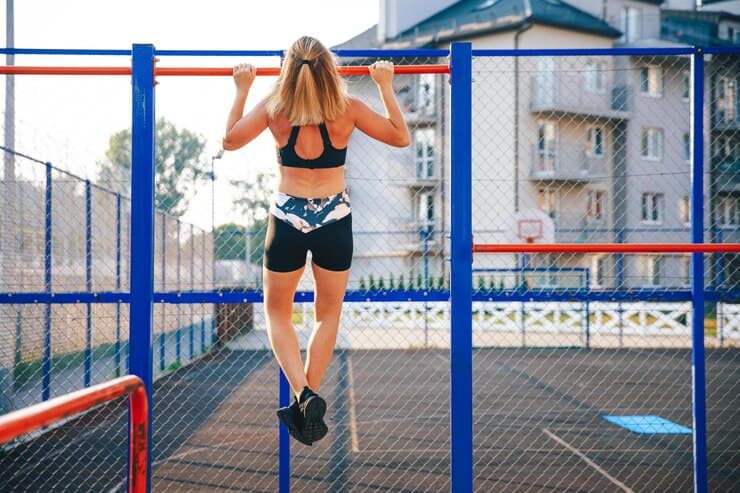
(426, 94)
(684, 210)
(686, 87)
(723, 148)
(685, 270)
(726, 99)
(596, 141)
(651, 81)
(596, 77)
(652, 144)
(652, 208)
(598, 271)
(546, 147)
(425, 162)
(548, 202)
(728, 211)
(630, 24)
(687, 147)
(648, 270)
(595, 207)
(425, 216)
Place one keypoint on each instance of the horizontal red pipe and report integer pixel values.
(37, 416)
(207, 71)
(606, 248)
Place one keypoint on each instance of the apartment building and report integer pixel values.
(596, 148)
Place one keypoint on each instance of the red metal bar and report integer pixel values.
(607, 248)
(37, 416)
(205, 71)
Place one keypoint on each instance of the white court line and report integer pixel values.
(587, 460)
(352, 409)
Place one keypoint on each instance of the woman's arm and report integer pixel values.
(392, 128)
(240, 130)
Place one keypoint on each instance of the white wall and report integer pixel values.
(398, 15)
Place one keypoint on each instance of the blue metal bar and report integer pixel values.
(61, 51)
(461, 264)
(587, 52)
(392, 53)
(284, 437)
(117, 349)
(697, 275)
(25, 156)
(88, 282)
(142, 222)
(357, 296)
(719, 50)
(46, 367)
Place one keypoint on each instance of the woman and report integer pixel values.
(311, 118)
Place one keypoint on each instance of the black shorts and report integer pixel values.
(330, 245)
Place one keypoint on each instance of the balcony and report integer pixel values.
(567, 164)
(423, 239)
(569, 95)
(727, 175)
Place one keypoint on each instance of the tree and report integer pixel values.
(229, 242)
(254, 202)
(180, 167)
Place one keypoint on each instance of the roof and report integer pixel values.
(471, 18)
(694, 27)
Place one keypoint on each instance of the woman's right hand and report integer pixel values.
(381, 72)
(244, 75)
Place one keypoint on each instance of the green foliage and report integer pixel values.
(381, 284)
(391, 282)
(419, 281)
(501, 285)
(401, 283)
(254, 197)
(481, 283)
(229, 242)
(372, 286)
(363, 285)
(180, 168)
(441, 282)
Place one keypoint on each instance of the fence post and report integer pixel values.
(117, 346)
(48, 202)
(697, 274)
(461, 268)
(88, 281)
(142, 221)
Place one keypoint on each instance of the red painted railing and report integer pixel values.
(205, 71)
(606, 248)
(37, 416)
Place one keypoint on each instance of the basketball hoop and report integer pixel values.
(529, 230)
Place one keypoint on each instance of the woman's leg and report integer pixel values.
(280, 289)
(328, 295)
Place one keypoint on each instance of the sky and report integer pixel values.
(68, 120)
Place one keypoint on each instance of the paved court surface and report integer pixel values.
(538, 426)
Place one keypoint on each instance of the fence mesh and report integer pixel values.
(582, 363)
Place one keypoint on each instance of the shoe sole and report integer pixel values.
(283, 415)
(314, 428)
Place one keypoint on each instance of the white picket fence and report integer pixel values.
(525, 323)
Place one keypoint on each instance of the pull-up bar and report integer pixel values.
(607, 248)
(204, 71)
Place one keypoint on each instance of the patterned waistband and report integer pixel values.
(309, 214)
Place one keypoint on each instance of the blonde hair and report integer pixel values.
(309, 90)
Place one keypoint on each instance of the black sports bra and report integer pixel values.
(331, 157)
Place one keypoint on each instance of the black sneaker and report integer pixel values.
(312, 407)
(293, 420)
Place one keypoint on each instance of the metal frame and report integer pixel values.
(142, 294)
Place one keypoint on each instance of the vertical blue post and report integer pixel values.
(461, 268)
(284, 438)
(117, 348)
(178, 332)
(697, 275)
(88, 281)
(142, 222)
(191, 328)
(161, 338)
(46, 367)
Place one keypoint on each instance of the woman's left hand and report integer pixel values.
(244, 75)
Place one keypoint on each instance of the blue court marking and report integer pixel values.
(652, 425)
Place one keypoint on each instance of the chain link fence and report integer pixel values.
(581, 362)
